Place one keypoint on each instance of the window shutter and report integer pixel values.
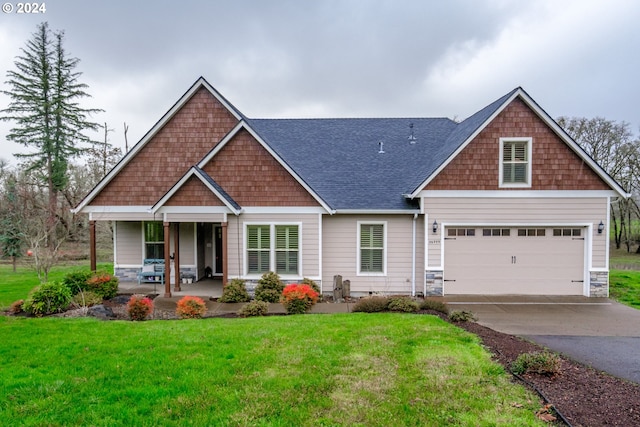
(514, 162)
(287, 249)
(372, 248)
(258, 237)
(258, 248)
(287, 237)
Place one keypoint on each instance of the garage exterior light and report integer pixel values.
(600, 227)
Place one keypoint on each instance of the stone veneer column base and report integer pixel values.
(599, 284)
(434, 283)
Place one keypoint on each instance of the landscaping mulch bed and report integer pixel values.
(584, 396)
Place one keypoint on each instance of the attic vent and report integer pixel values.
(381, 150)
(412, 138)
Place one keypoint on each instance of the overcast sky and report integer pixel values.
(342, 58)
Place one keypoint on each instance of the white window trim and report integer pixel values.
(272, 249)
(501, 183)
(385, 249)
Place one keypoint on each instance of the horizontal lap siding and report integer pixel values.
(340, 253)
(128, 243)
(309, 240)
(187, 244)
(555, 211)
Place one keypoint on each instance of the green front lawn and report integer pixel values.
(331, 370)
(624, 287)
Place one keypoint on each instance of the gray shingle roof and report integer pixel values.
(340, 160)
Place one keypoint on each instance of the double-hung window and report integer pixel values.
(515, 162)
(258, 249)
(287, 249)
(153, 240)
(371, 248)
(273, 247)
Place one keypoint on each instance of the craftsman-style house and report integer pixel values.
(504, 202)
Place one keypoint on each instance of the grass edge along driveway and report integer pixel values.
(344, 369)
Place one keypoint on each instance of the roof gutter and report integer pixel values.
(378, 211)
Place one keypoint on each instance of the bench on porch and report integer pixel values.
(152, 271)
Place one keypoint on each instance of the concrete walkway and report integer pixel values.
(597, 332)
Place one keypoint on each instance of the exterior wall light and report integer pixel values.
(600, 227)
(435, 226)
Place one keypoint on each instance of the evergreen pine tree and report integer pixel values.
(44, 93)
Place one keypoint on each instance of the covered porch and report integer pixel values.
(206, 288)
(185, 246)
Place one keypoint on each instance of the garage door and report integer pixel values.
(525, 261)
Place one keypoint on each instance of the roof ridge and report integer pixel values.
(350, 118)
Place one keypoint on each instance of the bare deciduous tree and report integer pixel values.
(611, 144)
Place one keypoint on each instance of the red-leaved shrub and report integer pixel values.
(191, 308)
(298, 299)
(139, 307)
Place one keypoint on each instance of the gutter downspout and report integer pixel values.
(413, 257)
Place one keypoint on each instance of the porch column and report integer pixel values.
(225, 259)
(167, 260)
(92, 245)
(176, 255)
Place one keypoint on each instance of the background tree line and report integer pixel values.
(613, 146)
(63, 163)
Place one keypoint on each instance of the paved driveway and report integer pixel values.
(595, 331)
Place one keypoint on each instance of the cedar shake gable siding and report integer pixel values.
(253, 177)
(186, 138)
(194, 193)
(554, 165)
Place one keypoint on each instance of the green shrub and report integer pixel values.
(86, 299)
(139, 307)
(435, 305)
(298, 299)
(76, 281)
(254, 308)
(48, 298)
(540, 362)
(191, 307)
(403, 304)
(235, 291)
(371, 305)
(313, 284)
(269, 287)
(103, 284)
(462, 316)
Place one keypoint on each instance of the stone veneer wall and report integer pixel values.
(131, 274)
(599, 284)
(434, 283)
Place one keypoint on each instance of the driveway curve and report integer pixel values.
(597, 332)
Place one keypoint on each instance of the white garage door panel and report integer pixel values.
(525, 265)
